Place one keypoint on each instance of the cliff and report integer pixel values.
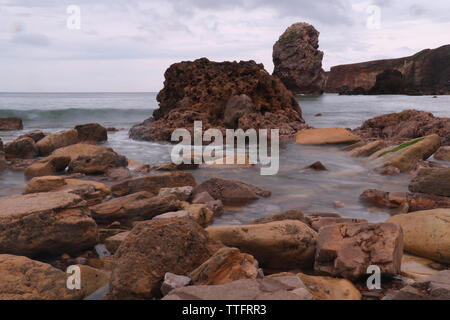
(426, 72)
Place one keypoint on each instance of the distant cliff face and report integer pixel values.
(426, 72)
(297, 60)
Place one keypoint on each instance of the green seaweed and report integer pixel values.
(402, 146)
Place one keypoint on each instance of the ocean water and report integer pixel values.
(291, 188)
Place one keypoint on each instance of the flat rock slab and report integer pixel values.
(326, 136)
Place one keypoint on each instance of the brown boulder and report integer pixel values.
(432, 181)
(200, 90)
(347, 250)
(154, 248)
(396, 128)
(369, 149)
(404, 201)
(92, 132)
(113, 243)
(134, 207)
(23, 148)
(45, 223)
(98, 162)
(3, 163)
(443, 153)
(230, 192)
(26, 279)
(297, 60)
(327, 288)
(325, 136)
(77, 150)
(54, 141)
(10, 123)
(47, 167)
(287, 215)
(36, 135)
(154, 183)
(236, 107)
(318, 220)
(92, 279)
(226, 265)
(287, 244)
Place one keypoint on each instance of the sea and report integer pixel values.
(292, 188)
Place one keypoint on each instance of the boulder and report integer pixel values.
(99, 162)
(396, 128)
(45, 223)
(23, 148)
(113, 243)
(287, 215)
(205, 98)
(347, 250)
(10, 123)
(417, 268)
(181, 193)
(134, 207)
(36, 135)
(54, 141)
(318, 220)
(427, 233)
(92, 132)
(47, 166)
(77, 150)
(45, 184)
(443, 153)
(317, 166)
(226, 265)
(325, 136)
(202, 197)
(216, 206)
(353, 146)
(154, 183)
(173, 281)
(230, 192)
(154, 248)
(3, 163)
(435, 287)
(432, 181)
(92, 279)
(298, 61)
(176, 214)
(200, 213)
(26, 279)
(287, 244)
(280, 288)
(368, 149)
(327, 288)
(404, 201)
(405, 156)
(236, 107)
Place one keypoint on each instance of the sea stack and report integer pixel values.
(223, 95)
(297, 60)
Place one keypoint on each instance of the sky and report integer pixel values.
(126, 45)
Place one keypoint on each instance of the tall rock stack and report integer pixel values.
(297, 60)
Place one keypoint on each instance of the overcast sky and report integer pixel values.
(126, 45)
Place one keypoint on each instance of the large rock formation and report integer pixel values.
(201, 90)
(406, 125)
(297, 60)
(426, 72)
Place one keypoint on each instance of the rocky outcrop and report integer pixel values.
(134, 207)
(226, 265)
(154, 248)
(405, 156)
(10, 123)
(230, 192)
(279, 245)
(26, 279)
(201, 90)
(425, 72)
(92, 132)
(435, 181)
(45, 223)
(347, 250)
(154, 183)
(297, 60)
(404, 201)
(280, 288)
(427, 233)
(399, 127)
(325, 136)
